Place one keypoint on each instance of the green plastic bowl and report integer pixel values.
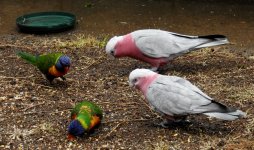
(46, 22)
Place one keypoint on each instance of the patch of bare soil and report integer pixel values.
(35, 114)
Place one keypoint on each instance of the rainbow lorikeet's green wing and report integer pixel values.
(86, 116)
(86, 106)
(46, 63)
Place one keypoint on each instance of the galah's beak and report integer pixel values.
(111, 55)
(131, 84)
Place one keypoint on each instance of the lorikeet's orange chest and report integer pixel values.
(95, 121)
(54, 72)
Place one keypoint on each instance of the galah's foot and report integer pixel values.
(63, 78)
(160, 70)
(155, 69)
(170, 121)
(166, 123)
(182, 122)
(179, 120)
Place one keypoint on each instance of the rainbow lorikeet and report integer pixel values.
(52, 65)
(86, 116)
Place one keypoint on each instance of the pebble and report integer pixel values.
(33, 99)
(13, 82)
(10, 96)
(251, 57)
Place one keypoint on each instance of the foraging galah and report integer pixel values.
(158, 47)
(175, 97)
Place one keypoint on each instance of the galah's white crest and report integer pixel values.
(158, 47)
(175, 97)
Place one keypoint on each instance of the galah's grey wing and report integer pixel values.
(181, 81)
(175, 99)
(157, 43)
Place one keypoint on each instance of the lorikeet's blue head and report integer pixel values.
(63, 64)
(75, 128)
(65, 60)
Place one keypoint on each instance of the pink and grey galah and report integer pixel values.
(158, 47)
(175, 97)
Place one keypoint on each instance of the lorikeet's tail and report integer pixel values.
(28, 57)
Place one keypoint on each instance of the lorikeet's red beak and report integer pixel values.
(74, 116)
(66, 69)
(71, 137)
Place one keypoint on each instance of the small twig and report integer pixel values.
(5, 77)
(124, 120)
(128, 103)
(121, 104)
(16, 46)
(93, 63)
(5, 81)
(39, 112)
(97, 62)
(114, 129)
(33, 106)
(43, 85)
(124, 109)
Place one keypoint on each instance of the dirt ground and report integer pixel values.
(35, 114)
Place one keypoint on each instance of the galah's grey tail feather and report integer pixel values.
(215, 107)
(223, 112)
(215, 40)
(227, 116)
(215, 36)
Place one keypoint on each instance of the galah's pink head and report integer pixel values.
(137, 76)
(110, 47)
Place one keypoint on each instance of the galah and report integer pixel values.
(175, 97)
(158, 47)
(52, 65)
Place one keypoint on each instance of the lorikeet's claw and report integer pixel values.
(51, 82)
(63, 78)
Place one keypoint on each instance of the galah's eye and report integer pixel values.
(135, 80)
